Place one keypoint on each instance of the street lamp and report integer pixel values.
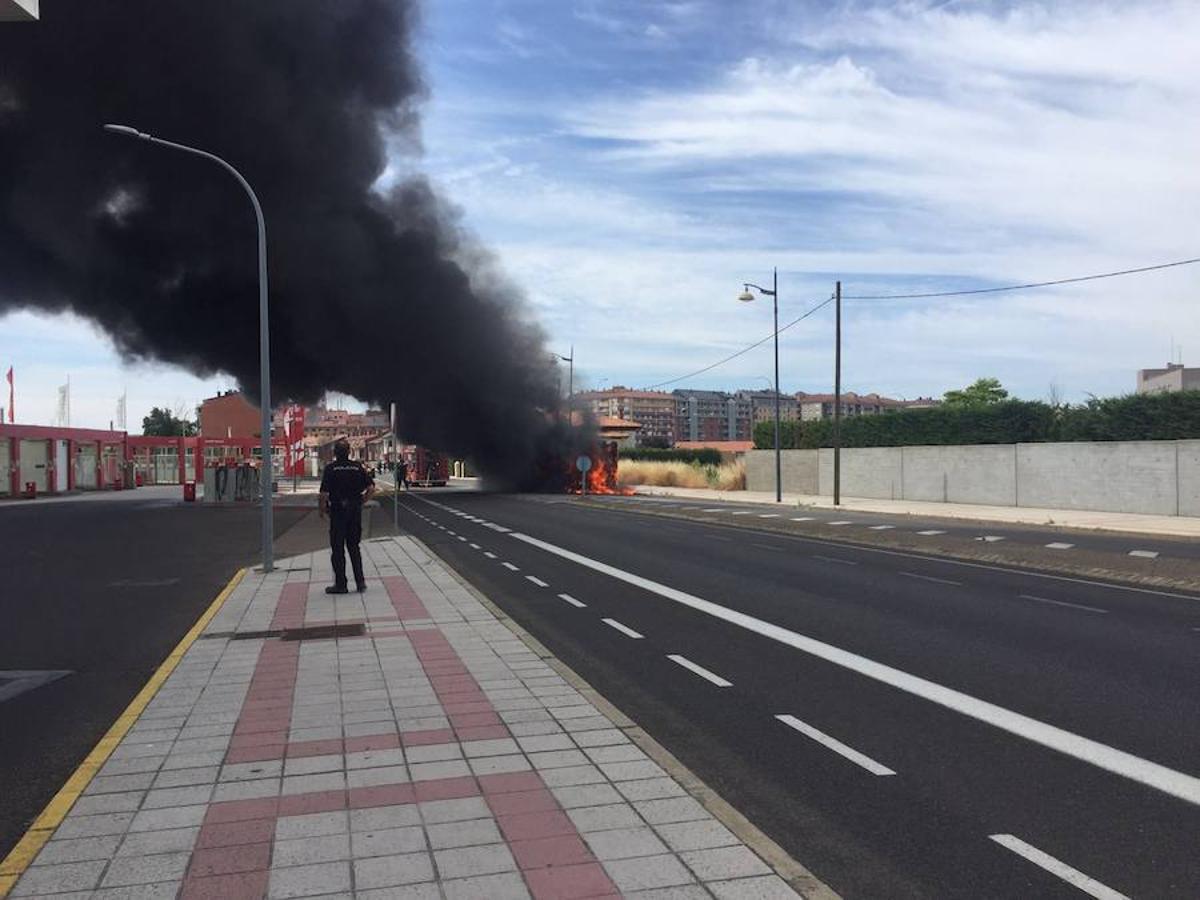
(264, 336)
(746, 297)
(570, 383)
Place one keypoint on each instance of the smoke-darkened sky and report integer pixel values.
(381, 296)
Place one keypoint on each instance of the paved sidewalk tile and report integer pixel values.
(434, 756)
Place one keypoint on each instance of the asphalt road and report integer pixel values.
(104, 590)
(915, 762)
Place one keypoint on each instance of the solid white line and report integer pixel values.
(836, 746)
(1056, 867)
(1057, 545)
(1144, 554)
(699, 670)
(882, 527)
(768, 515)
(624, 629)
(1177, 784)
(572, 600)
(536, 581)
(1094, 609)
(930, 578)
(489, 554)
(834, 559)
(930, 533)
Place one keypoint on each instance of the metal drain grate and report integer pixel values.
(320, 632)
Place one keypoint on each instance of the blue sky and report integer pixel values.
(631, 162)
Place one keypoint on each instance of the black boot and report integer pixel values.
(337, 589)
(362, 587)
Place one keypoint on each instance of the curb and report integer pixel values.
(800, 879)
(36, 836)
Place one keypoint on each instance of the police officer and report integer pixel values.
(345, 487)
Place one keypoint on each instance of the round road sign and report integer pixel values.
(583, 463)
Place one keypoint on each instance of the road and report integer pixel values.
(100, 590)
(905, 726)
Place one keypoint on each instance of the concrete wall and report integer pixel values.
(1154, 477)
(799, 471)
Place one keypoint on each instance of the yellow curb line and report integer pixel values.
(19, 859)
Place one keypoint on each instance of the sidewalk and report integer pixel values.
(1182, 526)
(412, 746)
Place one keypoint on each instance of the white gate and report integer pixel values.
(61, 459)
(35, 456)
(85, 467)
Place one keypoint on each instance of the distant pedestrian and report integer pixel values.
(345, 487)
(402, 474)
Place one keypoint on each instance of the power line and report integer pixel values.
(744, 350)
(1022, 287)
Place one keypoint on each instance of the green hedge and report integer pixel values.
(764, 435)
(706, 456)
(1135, 417)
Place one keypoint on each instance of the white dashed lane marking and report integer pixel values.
(1094, 609)
(511, 567)
(1057, 867)
(1144, 554)
(577, 603)
(768, 515)
(930, 533)
(474, 546)
(930, 578)
(714, 509)
(489, 554)
(536, 581)
(834, 559)
(624, 629)
(1059, 546)
(836, 746)
(803, 519)
(989, 538)
(842, 522)
(742, 512)
(699, 670)
(882, 527)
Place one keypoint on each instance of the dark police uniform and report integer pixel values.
(344, 481)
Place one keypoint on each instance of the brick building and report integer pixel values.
(229, 415)
(654, 411)
(712, 416)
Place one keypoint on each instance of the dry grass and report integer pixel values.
(726, 477)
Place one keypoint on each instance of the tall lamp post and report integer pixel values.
(570, 384)
(746, 297)
(264, 335)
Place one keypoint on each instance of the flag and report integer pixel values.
(293, 429)
(10, 394)
(62, 417)
(121, 411)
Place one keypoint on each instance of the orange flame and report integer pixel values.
(602, 476)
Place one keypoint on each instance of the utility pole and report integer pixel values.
(778, 453)
(837, 399)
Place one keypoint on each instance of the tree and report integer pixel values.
(161, 423)
(983, 392)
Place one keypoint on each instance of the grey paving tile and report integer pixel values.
(78, 849)
(679, 892)
(680, 809)
(463, 834)
(467, 862)
(444, 769)
(586, 795)
(93, 826)
(177, 796)
(625, 843)
(767, 887)
(159, 890)
(246, 790)
(369, 759)
(556, 759)
(572, 775)
(381, 817)
(650, 789)
(127, 870)
(308, 881)
(601, 818)
(146, 843)
(647, 872)
(535, 743)
(387, 871)
(699, 835)
(437, 811)
(427, 891)
(388, 841)
(611, 753)
(632, 771)
(496, 765)
(433, 753)
(506, 886)
(108, 803)
(184, 777)
(175, 817)
(305, 851)
(312, 765)
(307, 784)
(312, 825)
(724, 863)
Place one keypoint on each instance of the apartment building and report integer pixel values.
(762, 406)
(1173, 378)
(820, 406)
(712, 416)
(655, 411)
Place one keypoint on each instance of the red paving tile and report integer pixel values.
(470, 720)
(243, 886)
(389, 741)
(561, 850)
(522, 802)
(570, 882)
(254, 754)
(424, 738)
(447, 788)
(229, 860)
(298, 749)
(318, 801)
(528, 826)
(232, 834)
(510, 781)
(381, 795)
(241, 810)
(258, 739)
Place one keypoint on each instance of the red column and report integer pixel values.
(99, 465)
(15, 457)
(70, 465)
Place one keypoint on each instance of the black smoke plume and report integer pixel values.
(376, 294)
